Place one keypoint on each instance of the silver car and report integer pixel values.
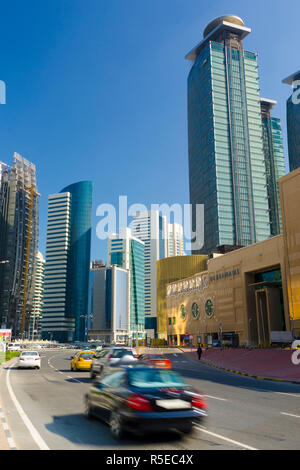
(111, 356)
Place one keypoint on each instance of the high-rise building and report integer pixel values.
(293, 120)
(18, 243)
(37, 303)
(175, 240)
(226, 155)
(274, 161)
(68, 247)
(150, 227)
(128, 252)
(110, 304)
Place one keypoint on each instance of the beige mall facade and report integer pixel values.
(248, 295)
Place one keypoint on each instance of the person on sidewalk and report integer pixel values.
(199, 352)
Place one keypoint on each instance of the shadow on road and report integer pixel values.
(93, 432)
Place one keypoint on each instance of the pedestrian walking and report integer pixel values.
(199, 352)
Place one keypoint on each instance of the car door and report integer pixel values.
(104, 393)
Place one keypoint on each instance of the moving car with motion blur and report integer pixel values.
(29, 359)
(83, 360)
(156, 360)
(109, 356)
(140, 399)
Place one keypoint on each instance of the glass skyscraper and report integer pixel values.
(274, 161)
(293, 121)
(67, 263)
(226, 154)
(128, 252)
(19, 220)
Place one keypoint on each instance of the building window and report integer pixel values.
(182, 312)
(195, 311)
(209, 308)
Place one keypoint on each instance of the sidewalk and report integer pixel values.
(272, 364)
(6, 441)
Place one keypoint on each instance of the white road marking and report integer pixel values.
(289, 414)
(271, 391)
(34, 433)
(216, 398)
(231, 441)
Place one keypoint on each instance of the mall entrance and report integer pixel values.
(266, 312)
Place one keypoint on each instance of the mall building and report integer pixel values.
(249, 296)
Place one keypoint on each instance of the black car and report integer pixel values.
(140, 399)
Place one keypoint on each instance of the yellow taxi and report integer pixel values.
(83, 360)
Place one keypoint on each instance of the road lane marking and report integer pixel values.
(289, 414)
(216, 398)
(231, 441)
(34, 433)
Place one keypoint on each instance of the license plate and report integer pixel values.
(174, 404)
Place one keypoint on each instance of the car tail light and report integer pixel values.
(136, 356)
(21, 358)
(139, 403)
(198, 402)
(109, 356)
(37, 359)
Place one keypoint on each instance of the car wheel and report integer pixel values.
(87, 409)
(188, 429)
(116, 426)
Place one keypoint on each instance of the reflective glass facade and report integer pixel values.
(67, 263)
(274, 162)
(293, 128)
(226, 158)
(79, 254)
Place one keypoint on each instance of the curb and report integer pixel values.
(238, 372)
(5, 428)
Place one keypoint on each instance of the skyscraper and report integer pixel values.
(293, 120)
(175, 240)
(18, 243)
(67, 263)
(226, 155)
(110, 304)
(274, 161)
(150, 227)
(128, 252)
(37, 303)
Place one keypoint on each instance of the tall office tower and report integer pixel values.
(274, 161)
(293, 120)
(175, 240)
(68, 247)
(226, 155)
(110, 304)
(150, 227)
(18, 243)
(128, 252)
(37, 303)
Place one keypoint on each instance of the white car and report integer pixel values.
(29, 359)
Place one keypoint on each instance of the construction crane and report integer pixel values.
(32, 193)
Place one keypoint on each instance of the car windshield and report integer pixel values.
(29, 353)
(87, 355)
(121, 353)
(154, 378)
(155, 356)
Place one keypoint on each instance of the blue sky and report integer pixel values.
(97, 89)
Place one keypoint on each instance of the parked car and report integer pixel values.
(156, 360)
(109, 356)
(29, 359)
(83, 360)
(142, 399)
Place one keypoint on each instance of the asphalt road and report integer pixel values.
(43, 410)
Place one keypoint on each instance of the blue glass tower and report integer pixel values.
(66, 285)
(226, 155)
(79, 255)
(293, 120)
